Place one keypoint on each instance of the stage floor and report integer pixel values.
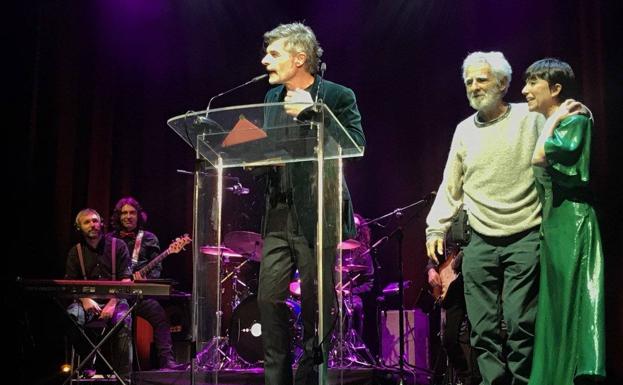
(255, 376)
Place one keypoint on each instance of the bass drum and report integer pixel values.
(245, 333)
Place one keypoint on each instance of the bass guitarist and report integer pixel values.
(127, 221)
(446, 282)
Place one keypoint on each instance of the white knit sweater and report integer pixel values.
(489, 173)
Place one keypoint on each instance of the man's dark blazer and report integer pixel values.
(341, 101)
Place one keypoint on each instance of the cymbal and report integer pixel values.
(349, 244)
(247, 243)
(352, 268)
(224, 251)
(392, 288)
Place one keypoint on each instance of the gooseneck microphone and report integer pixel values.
(430, 196)
(323, 68)
(204, 119)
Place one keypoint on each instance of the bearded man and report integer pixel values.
(489, 173)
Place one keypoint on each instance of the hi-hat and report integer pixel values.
(352, 268)
(246, 243)
(224, 251)
(349, 244)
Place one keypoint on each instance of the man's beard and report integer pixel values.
(490, 99)
(93, 234)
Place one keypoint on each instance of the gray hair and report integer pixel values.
(299, 38)
(495, 59)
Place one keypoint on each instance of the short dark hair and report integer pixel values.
(554, 71)
(115, 218)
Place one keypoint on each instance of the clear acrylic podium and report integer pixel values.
(249, 137)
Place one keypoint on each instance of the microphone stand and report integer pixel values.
(205, 119)
(398, 233)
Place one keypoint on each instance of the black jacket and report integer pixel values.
(301, 183)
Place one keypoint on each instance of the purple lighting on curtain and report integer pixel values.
(136, 36)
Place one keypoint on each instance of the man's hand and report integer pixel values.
(137, 275)
(567, 108)
(434, 248)
(90, 306)
(109, 309)
(434, 279)
(296, 101)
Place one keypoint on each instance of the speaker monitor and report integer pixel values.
(416, 340)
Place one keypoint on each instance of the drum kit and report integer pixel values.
(240, 253)
(347, 346)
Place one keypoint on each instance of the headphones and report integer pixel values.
(85, 212)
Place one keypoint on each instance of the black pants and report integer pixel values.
(152, 312)
(456, 334)
(286, 250)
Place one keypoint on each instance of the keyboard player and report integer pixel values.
(97, 257)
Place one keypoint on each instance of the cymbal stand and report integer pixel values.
(218, 354)
(235, 281)
(229, 356)
(346, 343)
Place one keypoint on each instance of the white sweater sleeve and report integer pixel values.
(450, 194)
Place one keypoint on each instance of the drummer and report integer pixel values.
(358, 273)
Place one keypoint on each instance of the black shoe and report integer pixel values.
(88, 373)
(172, 365)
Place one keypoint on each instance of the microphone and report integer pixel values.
(254, 80)
(375, 245)
(430, 196)
(323, 68)
(238, 189)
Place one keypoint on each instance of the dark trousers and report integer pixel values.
(285, 251)
(455, 337)
(152, 312)
(501, 284)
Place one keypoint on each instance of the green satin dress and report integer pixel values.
(570, 327)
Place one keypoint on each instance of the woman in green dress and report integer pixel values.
(570, 331)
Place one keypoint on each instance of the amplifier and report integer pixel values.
(416, 338)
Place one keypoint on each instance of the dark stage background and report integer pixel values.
(92, 83)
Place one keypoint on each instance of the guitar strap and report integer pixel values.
(459, 232)
(137, 247)
(113, 254)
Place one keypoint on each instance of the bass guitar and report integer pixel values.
(175, 247)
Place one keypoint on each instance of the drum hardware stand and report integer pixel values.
(234, 283)
(227, 357)
(346, 345)
(398, 233)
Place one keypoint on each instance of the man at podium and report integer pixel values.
(289, 228)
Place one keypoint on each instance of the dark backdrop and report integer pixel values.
(92, 83)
